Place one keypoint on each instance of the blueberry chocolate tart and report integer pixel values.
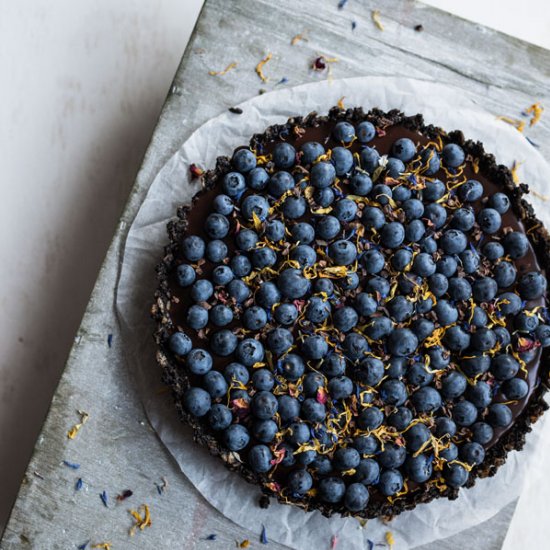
(352, 312)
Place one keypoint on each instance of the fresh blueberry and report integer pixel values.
(289, 408)
(235, 372)
(324, 197)
(345, 318)
(453, 241)
(263, 257)
(180, 343)
(483, 339)
(381, 193)
(402, 342)
(390, 483)
(197, 401)
(366, 444)
(504, 367)
(240, 265)
(400, 309)
(400, 418)
(516, 245)
(370, 419)
(543, 335)
(355, 346)
(255, 204)
(444, 426)
(419, 468)
(413, 209)
(275, 230)
(257, 180)
(317, 310)
(475, 364)
(373, 218)
(314, 347)
(343, 132)
(215, 384)
(222, 275)
(439, 357)
(464, 413)
(216, 226)
(379, 328)
(199, 361)
(472, 453)
(265, 430)
(401, 259)
(294, 207)
(286, 314)
(414, 231)
(254, 318)
(311, 151)
(322, 465)
(340, 387)
(193, 248)
(279, 183)
(470, 191)
(356, 497)
(503, 336)
(263, 380)
(419, 375)
(526, 322)
(216, 251)
(532, 285)
(349, 282)
(423, 265)
(313, 382)
(505, 274)
(259, 458)
(334, 365)
(244, 160)
(302, 233)
(292, 367)
(484, 289)
(435, 214)
(331, 489)
(327, 227)
(500, 202)
(489, 220)
(463, 219)
(434, 190)
(453, 155)
(342, 252)
(304, 254)
(185, 275)
(360, 184)
(219, 417)
(450, 453)
(482, 433)
(370, 371)
(264, 405)
(479, 394)
(416, 436)
(438, 284)
(288, 458)
(233, 184)
(499, 415)
(401, 193)
(403, 149)
(345, 210)
(223, 342)
(426, 399)
(453, 385)
(456, 339)
(223, 204)
(370, 158)
(292, 284)
(395, 167)
(373, 261)
(279, 340)
(429, 245)
(284, 155)
(342, 160)
(515, 389)
(365, 131)
(431, 162)
(447, 266)
(459, 289)
(305, 458)
(456, 475)
(249, 352)
(493, 250)
(299, 481)
(236, 437)
(393, 392)
(246, 239)
(298, 433)
(346, 458)
(392, 235)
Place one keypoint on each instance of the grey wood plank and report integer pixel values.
(117, 449)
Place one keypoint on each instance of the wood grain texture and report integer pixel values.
(116, 448)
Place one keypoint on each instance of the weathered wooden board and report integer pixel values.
(116, 448)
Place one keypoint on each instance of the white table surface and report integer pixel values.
(82, 86)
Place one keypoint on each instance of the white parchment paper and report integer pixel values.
(447, 107)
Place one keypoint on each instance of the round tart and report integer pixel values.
(352, 312)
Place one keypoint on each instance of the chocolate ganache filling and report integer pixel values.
(352, 312)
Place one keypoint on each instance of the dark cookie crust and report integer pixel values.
(175, 377)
